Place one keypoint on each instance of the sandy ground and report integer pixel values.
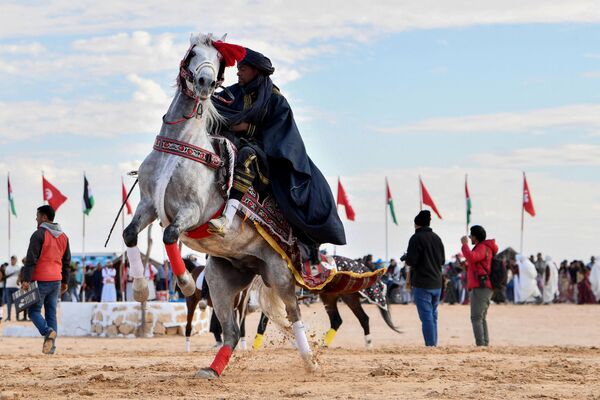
(537, 352)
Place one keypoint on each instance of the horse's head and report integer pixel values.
(200, 69)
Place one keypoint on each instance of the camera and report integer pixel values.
(482, 281)
(403, 258)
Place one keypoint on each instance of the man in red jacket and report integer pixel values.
(48, 263)
(479, 268)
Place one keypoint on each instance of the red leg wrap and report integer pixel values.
(221, 359)
(175, 258)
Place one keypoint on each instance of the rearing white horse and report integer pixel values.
(179, 186)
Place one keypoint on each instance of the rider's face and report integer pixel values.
(246, 74)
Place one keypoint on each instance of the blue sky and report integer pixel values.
(398, 90)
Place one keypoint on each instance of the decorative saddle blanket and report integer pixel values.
(269, 222)
(374, 294)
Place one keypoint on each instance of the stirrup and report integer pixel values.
(218, 226)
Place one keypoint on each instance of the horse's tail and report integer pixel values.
(271, 304)
(387, 317)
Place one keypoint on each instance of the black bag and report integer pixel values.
(498, 274)
(24, 299)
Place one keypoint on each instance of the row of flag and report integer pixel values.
(342, 200)
(55, 198)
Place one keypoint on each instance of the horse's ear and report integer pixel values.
(223, 38)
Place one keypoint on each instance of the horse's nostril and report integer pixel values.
(201, 81)
(213, 84)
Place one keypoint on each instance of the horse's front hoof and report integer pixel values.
(186, 284)
(310, 365)
(140, 290)
(206, 373)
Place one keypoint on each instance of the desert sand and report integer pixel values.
(536, 352)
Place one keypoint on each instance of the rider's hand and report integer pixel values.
(241, 127)
(25, 285)
(464, 240)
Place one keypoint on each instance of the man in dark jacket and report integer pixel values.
(48, 264)
(479, 268)
(425, 256)
(271, 154)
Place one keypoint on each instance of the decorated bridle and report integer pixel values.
(228, 55)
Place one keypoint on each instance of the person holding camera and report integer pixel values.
(479, 268)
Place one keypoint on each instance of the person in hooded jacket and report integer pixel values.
(479, 267)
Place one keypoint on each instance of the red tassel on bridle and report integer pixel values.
(230, 52)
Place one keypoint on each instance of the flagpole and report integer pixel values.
(467, 205)
(337, 210)
(386, 205)
(122, 256)
(8, 209)
(83, 232)
(420, 194)
(522, 213)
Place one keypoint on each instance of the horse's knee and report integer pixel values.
(171, 234)
(130, 236)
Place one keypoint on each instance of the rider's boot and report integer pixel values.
(219, 226)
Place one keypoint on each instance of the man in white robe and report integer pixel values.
(550, 281)
(595, 278)
(528, 288)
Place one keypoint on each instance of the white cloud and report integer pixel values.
(591, 74)
(141, 114)
(34, 48)
(584, 117)
(565, 155)
(296, 22)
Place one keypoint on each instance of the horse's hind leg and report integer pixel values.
(144, 215)
(191, 303)
(335, 319)
(185, 218)
(281, 279)
(225, 282)
(260, 331)
(353, 301)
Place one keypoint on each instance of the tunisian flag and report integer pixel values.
(342, 199)
(124, 196)
(527, 200)
(427, 200)
(52, 195)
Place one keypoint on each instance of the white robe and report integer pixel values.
(595, 278)
(551, 287)
(109, 291)
(528, 288)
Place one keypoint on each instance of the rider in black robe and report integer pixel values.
(271, 155)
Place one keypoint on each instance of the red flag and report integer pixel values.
(342, 199)
(124, 196)
(52, 195)
(527, 200)
(427, 200)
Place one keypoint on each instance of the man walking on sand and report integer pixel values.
(47, 263)
(425, 256)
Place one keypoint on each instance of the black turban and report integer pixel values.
(423, 218)
(258, 61)
(478, 232)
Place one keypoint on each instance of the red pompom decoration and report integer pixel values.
(230, 52)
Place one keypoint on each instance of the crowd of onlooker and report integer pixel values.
(576, 281)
